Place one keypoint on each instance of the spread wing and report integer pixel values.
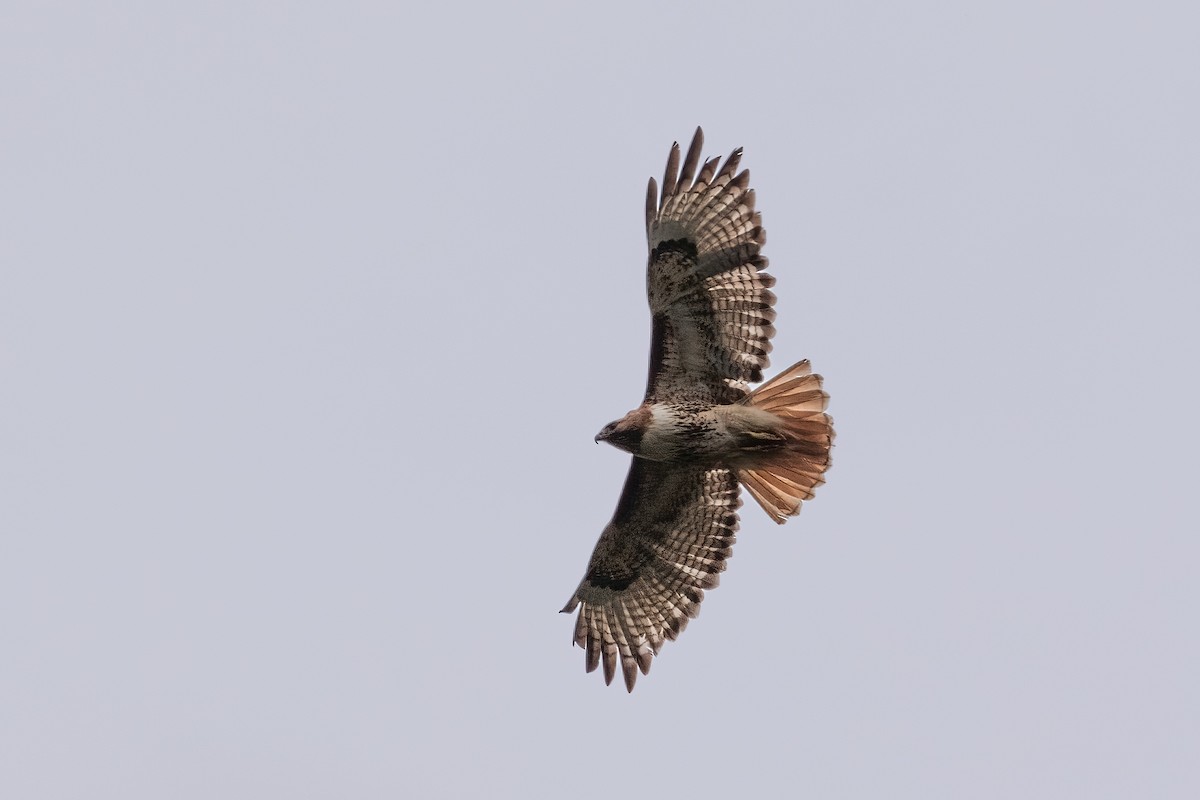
(668, 541)
(710, 300)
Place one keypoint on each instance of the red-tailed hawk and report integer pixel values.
(700, 432)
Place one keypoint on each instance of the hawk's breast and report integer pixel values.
(683, 433)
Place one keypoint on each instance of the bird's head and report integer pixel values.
(626, 433)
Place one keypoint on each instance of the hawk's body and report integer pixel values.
(700, 431)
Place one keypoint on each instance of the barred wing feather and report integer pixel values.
(668, 541)
(710, 300)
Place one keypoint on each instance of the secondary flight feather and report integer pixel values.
(700, 433)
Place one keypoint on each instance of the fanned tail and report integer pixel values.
(786, 477)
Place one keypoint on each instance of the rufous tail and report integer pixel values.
(788, 475)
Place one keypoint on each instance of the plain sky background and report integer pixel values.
(309, 313)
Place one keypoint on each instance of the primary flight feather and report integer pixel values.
(700, 431)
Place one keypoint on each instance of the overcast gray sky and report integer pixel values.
(309, 314)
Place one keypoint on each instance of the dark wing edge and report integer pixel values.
(668, 541)
(712, 308)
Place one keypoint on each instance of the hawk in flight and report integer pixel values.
(700, 432)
